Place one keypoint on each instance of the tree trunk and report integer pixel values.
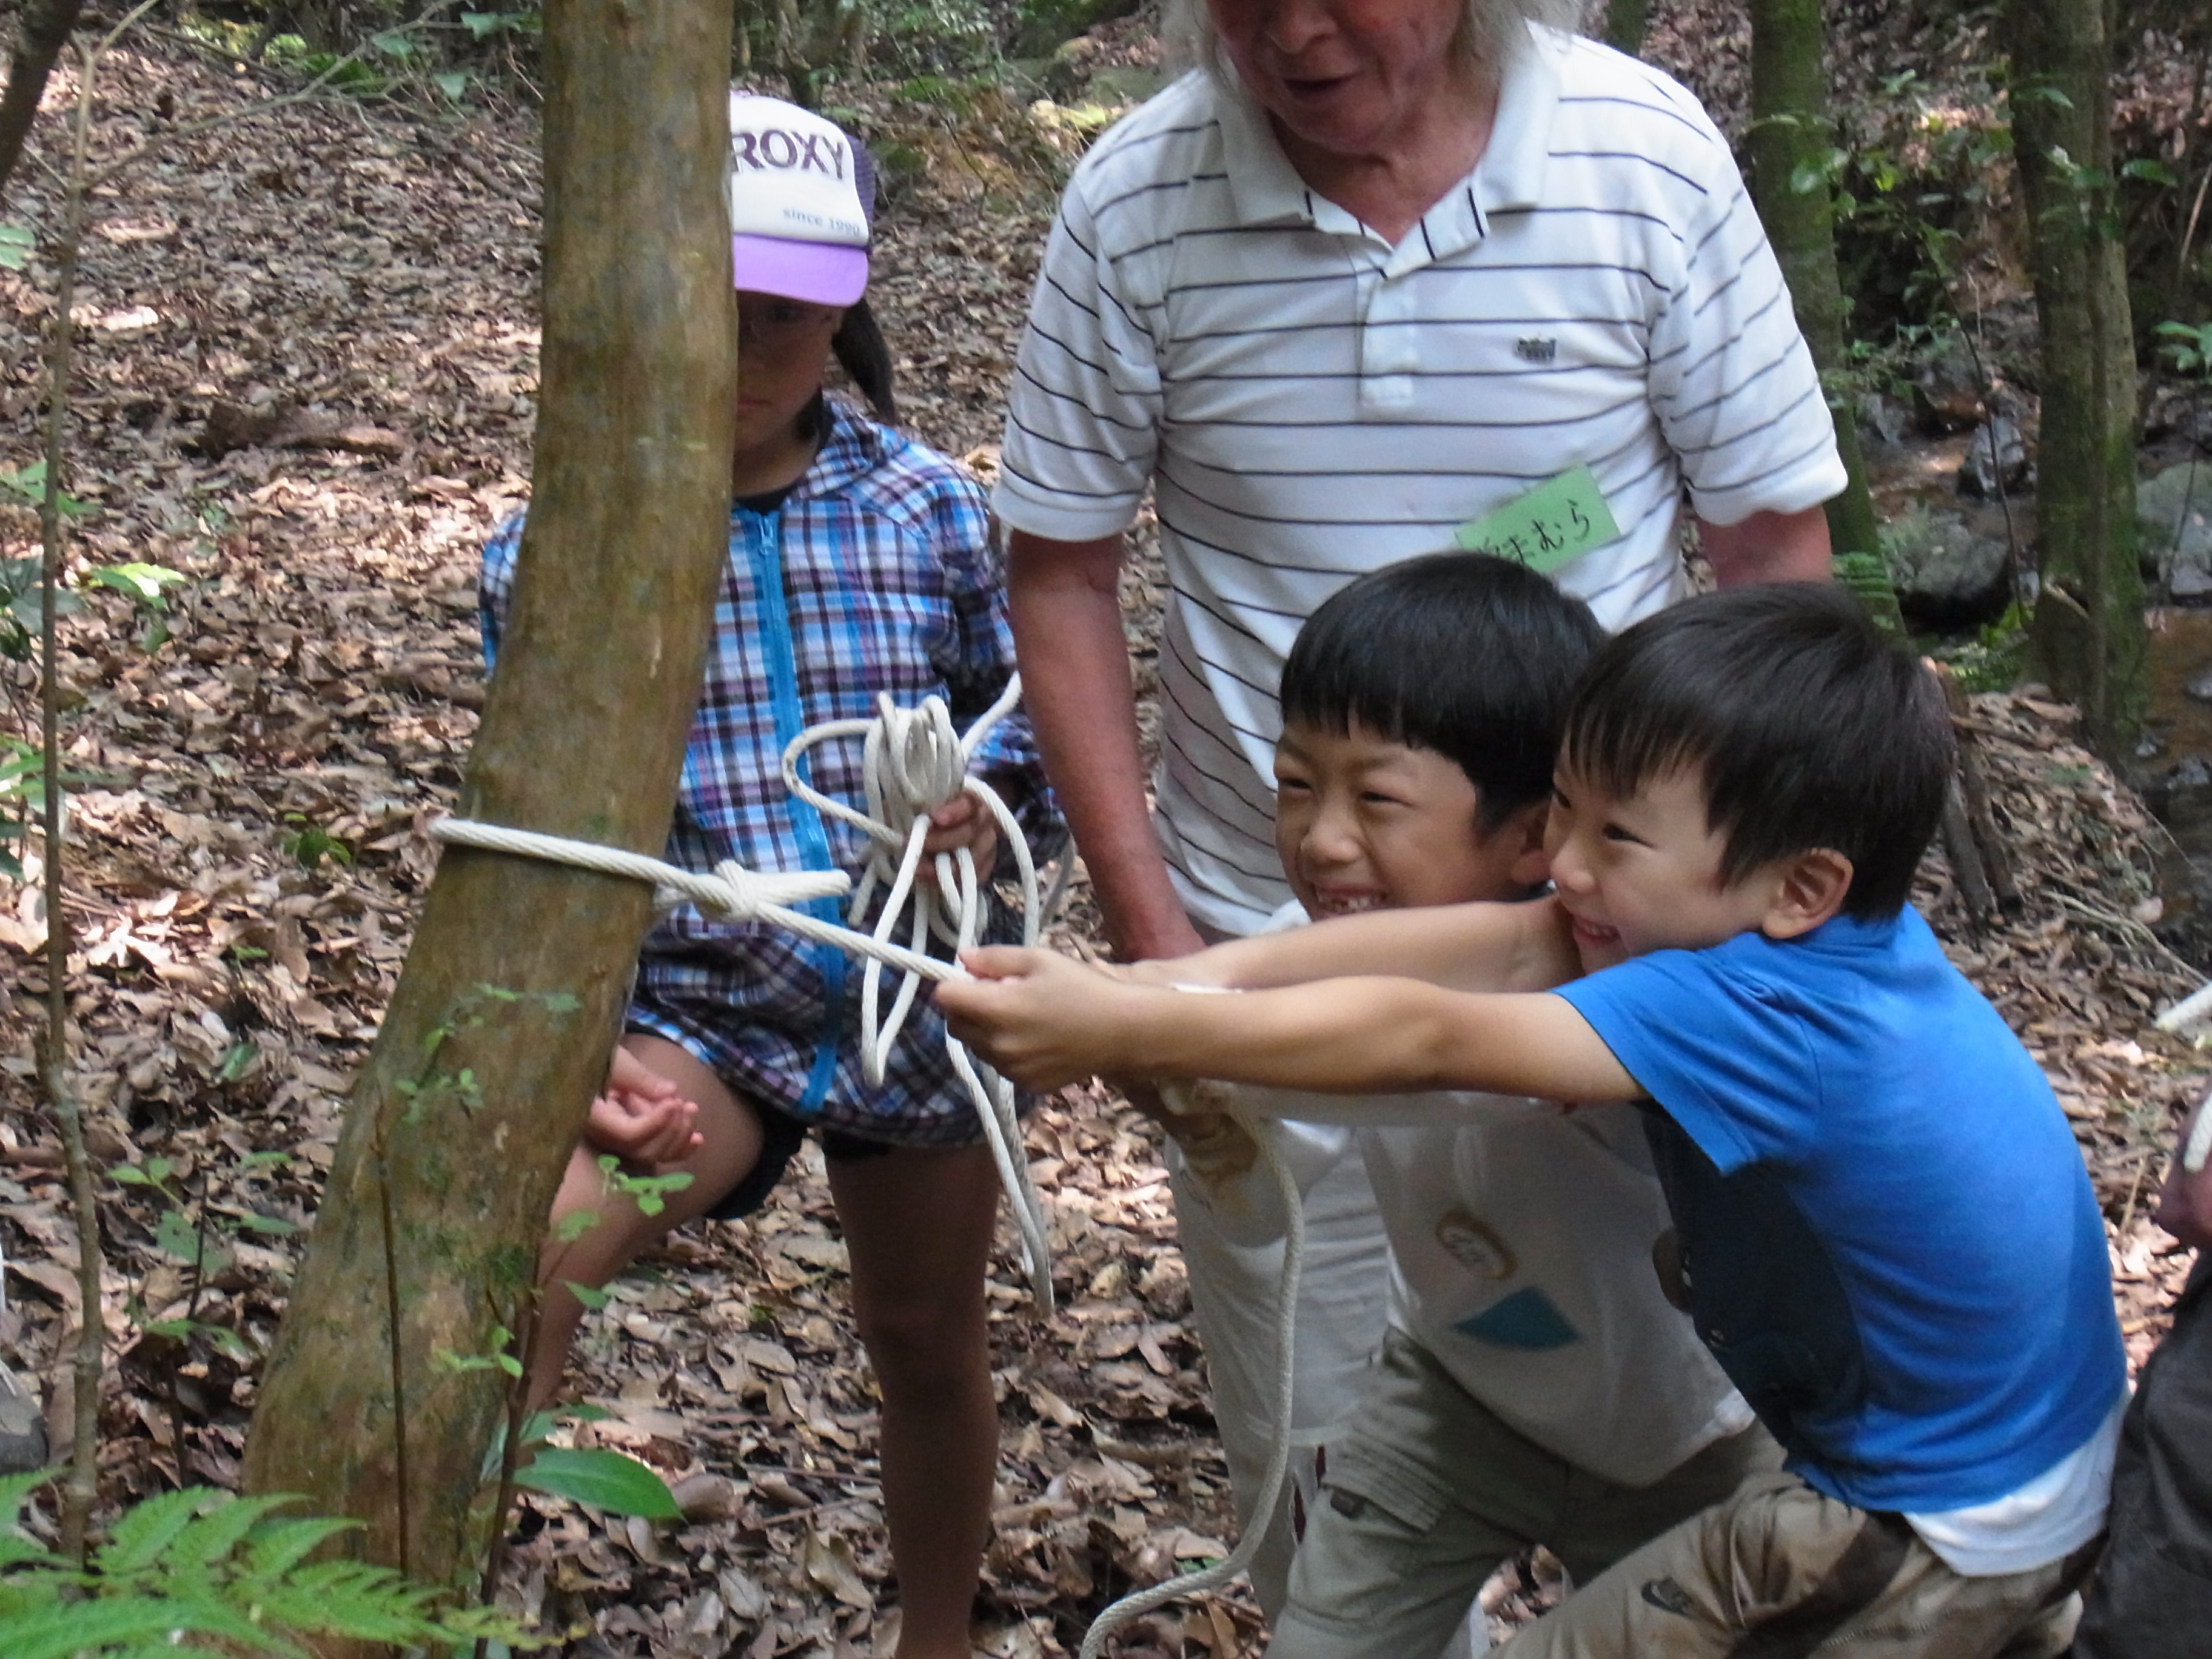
(2088, 629)
(41, 35)
(1624, 26)
(1792, 139)
(461, 1120)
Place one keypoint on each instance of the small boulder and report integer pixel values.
(1996, 460)
(2175, 512)
(22, 1427)
(1947, 576)
(1947, 389)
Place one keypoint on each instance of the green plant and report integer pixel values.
(1994, 657)
(308, 844)
(201, 1563)
(2189, 345)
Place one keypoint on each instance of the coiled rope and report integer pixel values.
(912, 764)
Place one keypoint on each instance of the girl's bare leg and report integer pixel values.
(729, 1143)
(919, 1222)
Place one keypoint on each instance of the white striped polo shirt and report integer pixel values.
(1311, 403)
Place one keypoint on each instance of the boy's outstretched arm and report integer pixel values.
(1046, 1020)
(1466, 947)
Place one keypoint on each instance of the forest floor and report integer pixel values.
(308, 382)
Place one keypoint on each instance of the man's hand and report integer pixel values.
(1034, 1015)
(2184, 1205)
(640, 1118)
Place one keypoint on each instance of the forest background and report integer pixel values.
(306, 381)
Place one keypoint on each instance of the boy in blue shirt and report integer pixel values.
(1886, 1234)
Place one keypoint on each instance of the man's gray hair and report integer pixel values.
(1491, 33)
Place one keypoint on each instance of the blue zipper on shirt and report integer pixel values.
(764, 544)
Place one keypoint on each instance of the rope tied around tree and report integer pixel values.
(914, 762)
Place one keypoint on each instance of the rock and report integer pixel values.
(22, 1427)
(1947, 576)
(1996, 460)
(2175, 508)
(2199, 684)
(1883, 420)
(1946, 390)
(1125, 83)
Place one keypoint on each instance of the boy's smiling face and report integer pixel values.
(1641, 872)
(1364, 823)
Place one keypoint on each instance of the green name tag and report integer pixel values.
(1551, 525)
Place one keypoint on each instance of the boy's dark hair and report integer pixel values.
(1472, 656)
(1810, 727)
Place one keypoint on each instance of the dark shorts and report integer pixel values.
(781, 1136)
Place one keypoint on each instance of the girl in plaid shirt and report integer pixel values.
(860, 562)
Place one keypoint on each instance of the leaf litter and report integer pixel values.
(308, 382)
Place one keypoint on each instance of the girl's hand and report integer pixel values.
(1039, 1017)
(640, 1118)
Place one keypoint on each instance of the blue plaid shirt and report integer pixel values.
(877, 572)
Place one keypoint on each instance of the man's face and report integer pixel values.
(1641, 872)
(1346, 76)
(1365, 823)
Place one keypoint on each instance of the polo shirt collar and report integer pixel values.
(1264, 185)
(1510, 173)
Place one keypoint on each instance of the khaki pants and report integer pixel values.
(1432, 1493)
(1779, 1571)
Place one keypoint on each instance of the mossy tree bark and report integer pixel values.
(1793, 140)
(2088, 630)
(40, 34)
(460, 1124)
(1624, 26)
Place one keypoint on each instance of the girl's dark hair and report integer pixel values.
(1807, 726)
(860, 351)
(1467, 655)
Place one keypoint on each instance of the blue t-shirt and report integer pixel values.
(1889, 1240)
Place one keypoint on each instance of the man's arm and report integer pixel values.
(1067, 609)
(1462, 947)
(1048, 1021)
(2185, 1206)
(1768, 547)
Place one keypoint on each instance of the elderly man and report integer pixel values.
(1382, 272)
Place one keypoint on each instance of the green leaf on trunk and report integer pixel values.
(604, 1479)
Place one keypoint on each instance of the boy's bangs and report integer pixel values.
(1621, 742)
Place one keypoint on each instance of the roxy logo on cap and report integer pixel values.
(773, 148)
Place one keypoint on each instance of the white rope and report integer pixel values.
(912, 764)
(1279, 1451)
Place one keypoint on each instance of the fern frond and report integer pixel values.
(147, 1528)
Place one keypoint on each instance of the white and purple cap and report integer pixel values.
(801, 196)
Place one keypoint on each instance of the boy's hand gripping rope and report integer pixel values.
(914, 764)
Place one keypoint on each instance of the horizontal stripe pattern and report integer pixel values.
(1307, 403)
